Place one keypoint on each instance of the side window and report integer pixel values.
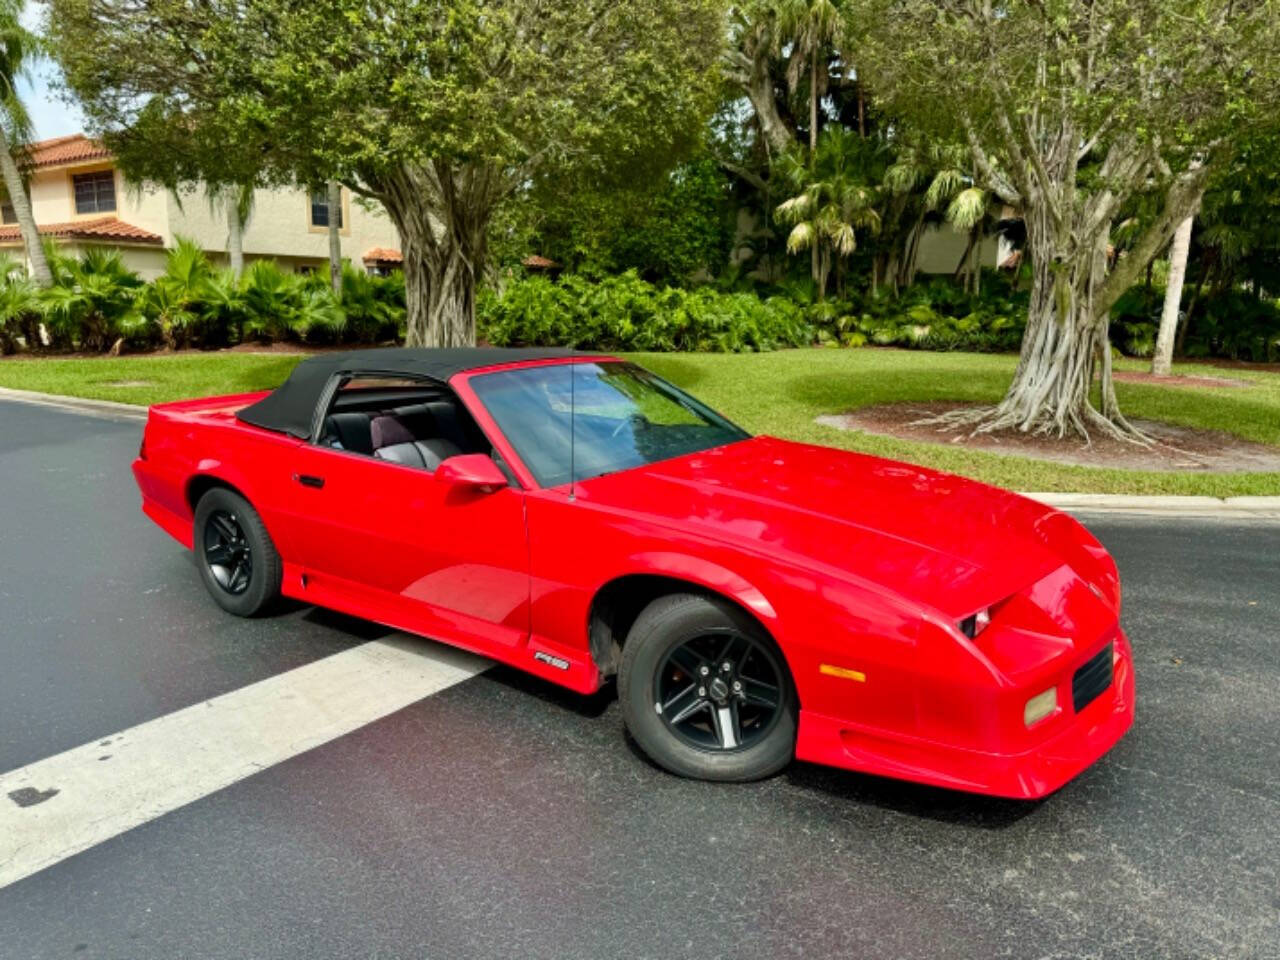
(404, 421)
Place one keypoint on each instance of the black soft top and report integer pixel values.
(291, 406)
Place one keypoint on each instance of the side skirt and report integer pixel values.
(566, 668)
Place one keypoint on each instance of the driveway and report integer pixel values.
(500, 817)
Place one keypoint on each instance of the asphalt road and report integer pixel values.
(504, 818)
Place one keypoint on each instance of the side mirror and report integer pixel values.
(473, 471)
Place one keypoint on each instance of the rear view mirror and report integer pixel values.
(474, 471)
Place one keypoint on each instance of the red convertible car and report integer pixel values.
(579, 518)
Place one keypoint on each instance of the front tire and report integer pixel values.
(238, 562)
(705, 691)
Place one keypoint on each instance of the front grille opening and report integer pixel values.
(1091, 680)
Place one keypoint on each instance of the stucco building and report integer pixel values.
(81, 199)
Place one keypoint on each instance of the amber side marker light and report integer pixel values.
(1040, 706)
(844, 673)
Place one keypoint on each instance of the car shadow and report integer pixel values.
(585, 705)
(354, 627)
(953, 807)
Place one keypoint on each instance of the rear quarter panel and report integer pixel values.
(194, 439)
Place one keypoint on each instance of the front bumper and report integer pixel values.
(1029, 775)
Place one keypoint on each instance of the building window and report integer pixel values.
(320, 209)
(7, 213)
(95, 192)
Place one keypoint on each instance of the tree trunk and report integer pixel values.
(444, 247)
(1065, 342)
(753, 73)
(1206, 267)
(235, 232)
(440, 301)
(17, 189)
(1062, 345)
(1162, 361)
(335, 239)
(813, 102)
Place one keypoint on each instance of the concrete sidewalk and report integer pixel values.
(1243, 508)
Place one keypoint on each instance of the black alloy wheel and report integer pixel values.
(227, 552)
(705, 691)
(238, 562)
(719, 692)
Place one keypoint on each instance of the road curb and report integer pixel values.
(1242, 508)
(112, 408)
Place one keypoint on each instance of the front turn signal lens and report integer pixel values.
(1040, 706)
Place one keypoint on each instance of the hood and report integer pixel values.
(939, 540)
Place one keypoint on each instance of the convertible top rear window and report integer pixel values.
(604, 417)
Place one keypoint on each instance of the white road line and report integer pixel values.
(56, 807)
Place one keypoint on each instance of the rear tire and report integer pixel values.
(238, 562)
(705, 691)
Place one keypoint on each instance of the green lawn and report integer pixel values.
(781, 393)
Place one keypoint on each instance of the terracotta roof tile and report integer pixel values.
(68, 149)
(383, 255)
(536, 262)
(105, 228)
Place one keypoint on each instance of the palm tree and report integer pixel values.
(832, 200)
(237, 201)
(808, 26)
(17, 44)
(928, 183)
(334, 190)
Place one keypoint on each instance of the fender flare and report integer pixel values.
(704, 573)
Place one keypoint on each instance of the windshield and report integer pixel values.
(623, 417)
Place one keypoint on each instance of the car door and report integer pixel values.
(392, 543)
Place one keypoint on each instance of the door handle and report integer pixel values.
(309, 481)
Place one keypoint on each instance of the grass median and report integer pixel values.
(781, 393)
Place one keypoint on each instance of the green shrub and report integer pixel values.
(626, 313)
(374, 306)
(1237, 325)
(93, 301)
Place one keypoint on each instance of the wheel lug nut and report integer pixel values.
(703, 670)
(726, 666)
(702, 691)
(737, 687)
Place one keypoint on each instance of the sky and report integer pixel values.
(50, 116)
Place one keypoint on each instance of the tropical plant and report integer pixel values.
(20, 307)
(808, 27)
(832, 201)
(225, 308)
(17, 44)
(173, 301)
(373, 305)
(278, 304)
(93, 301)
